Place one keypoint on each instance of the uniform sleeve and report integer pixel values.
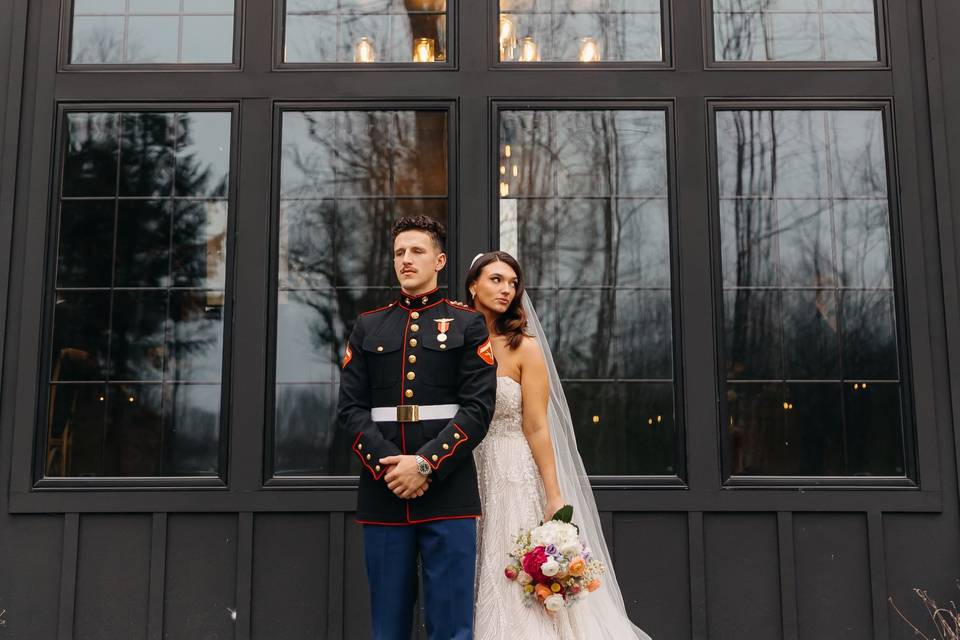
(477, 396)
(353, 408)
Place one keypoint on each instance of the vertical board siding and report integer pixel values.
(30, 565)
(201, 567)
(743, 576)
(651, 563)
(833, 576)
(290, 575)
(356, 605)
(113, 574)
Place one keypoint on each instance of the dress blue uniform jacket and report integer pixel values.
(395, 357)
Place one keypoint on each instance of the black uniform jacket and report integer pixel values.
(396, 355)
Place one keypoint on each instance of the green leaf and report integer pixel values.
(564, 514)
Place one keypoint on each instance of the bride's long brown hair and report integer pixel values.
(512, 323)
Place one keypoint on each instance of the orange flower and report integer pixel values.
(593, 585)
(577, 566)
(543, 591)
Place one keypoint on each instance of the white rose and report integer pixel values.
(570, 548)
(524, 578)
(550, 568)
(554, 602)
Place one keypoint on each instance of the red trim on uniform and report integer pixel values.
(429, 306)
(457, 305)
(406, 524)
(364, 460)
(436, 465)
(365, 313)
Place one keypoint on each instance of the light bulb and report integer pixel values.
(363, 51)
(589, 50)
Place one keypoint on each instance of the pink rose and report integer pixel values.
(510, 573)
(532, 562)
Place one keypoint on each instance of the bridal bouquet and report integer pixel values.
(552, 564)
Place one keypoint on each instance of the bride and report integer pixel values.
(528, 467)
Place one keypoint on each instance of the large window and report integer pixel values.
(585, 207)
(795, 30)
(811, 350)
(152, 32)
(137, 321)
(365, 31)
(345, 176)
(587, 31)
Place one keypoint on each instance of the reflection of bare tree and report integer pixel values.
(346, 177)
(103, 44)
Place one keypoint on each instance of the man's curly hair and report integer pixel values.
(422, 223)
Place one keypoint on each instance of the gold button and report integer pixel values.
(446, 446)
(412, 359)
(413, 342)
(408, 300)
(378, 467)
(424, 299)
(414, 328)
(457, 436)
(415, 315)
(360, 446)
(379, 348)
(408, 393)
(368, 456)
(434, 457)
(443, 346)
(411, 375)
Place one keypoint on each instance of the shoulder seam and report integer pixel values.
(366, 313)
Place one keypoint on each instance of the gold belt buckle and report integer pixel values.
(408, 413)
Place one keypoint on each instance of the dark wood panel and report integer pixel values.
(290, 576)
(113, 569)
(201, 577)
(29, 575)
(743, 576)
(833, 576)
(921, 552)
(356, 598)
(650, 557)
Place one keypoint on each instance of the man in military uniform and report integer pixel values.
(417, 393)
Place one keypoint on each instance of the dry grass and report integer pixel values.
(946, 620)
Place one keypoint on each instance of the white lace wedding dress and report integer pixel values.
(512, 496)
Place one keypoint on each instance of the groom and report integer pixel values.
(417, 392)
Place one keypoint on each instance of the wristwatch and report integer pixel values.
(423, 466)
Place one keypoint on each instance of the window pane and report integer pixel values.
(587, 31)
(584, 205)
(366, 31)
(808, 299)
(795, 30)
(137, 348)
(345, 176)
(152, 32)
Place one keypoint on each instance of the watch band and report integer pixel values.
(423, 466)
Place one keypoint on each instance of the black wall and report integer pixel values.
(778, 565)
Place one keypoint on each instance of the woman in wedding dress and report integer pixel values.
(528, 467)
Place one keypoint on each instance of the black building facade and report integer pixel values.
(737, 220)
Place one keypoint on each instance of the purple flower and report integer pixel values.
(551, 549)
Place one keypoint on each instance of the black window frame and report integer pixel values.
(668, 108)
(40, 481)
(269, 478)
(910, 480)
(666, 46)
(279, 42)
(65, 42)
(881, 63)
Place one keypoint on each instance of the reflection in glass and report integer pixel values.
(138, 308)
(345, 176)
(808, 300)
(795, 30)
(152, 32)
(365, 31)
(580, 31)
(585, 208)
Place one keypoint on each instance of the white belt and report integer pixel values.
(414, 412)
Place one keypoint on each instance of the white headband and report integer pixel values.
(475, 258)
